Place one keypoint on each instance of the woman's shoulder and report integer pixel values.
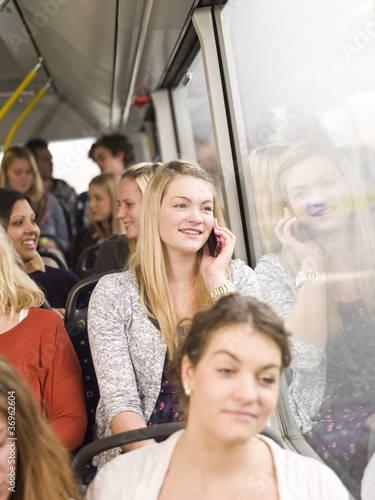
(139, 469)
(120, 283)
(38, 313)
(115, 239)
(244, 278)
(61, 274)
(305, 475)
(270, 260)
(238, 266)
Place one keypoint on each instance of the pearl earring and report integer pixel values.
(186, 389)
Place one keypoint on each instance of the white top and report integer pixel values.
(139, 475)
(368, 481)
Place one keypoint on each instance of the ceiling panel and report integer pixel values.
(89, 48)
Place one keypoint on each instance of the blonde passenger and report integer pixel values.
(322, 283)
(102, 204)
(35, 341)
(133, 315)
(33, 463)
(19, 172)
(228, 372)
(114, 251)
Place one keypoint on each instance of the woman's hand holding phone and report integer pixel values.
(213, 269)
(295, 241)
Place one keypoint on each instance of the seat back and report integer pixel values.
(82, 271)
(73, 314)
(53, 256)
(76, 326)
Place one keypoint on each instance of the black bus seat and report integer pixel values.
(76, 326)
(81, 270)
(55, 257)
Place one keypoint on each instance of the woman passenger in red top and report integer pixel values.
(35, 341)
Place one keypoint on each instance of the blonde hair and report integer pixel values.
(361, 225)
(148, 260)
(17, 290)
(141, 173)
(108, 183)
(14, 153)
(42, 469)
(264, 164)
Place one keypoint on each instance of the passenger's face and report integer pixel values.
(130, 203)
(44, 161)
(23, 230)
(20, 175)
(107, 162)
(186, 215)
(235, 385)
(7, 459)
(100, 205)
(318, 194)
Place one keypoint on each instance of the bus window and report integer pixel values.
(306, 85)
(193, 118)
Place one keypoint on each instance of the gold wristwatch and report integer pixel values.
(303, 276)
(225, 289)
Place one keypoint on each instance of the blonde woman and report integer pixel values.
(323, 284)
(102, 204)
(19, 172)
(133, 315)
(35, 341)
(114, 251)
(33, 463)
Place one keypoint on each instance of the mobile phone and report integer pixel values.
(290, 210)
(214, 242)
(298, 229)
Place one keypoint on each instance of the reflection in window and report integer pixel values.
(306, 80)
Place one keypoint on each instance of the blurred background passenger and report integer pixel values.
(35, 341)
(102, 204)
(19, 221)
(37, 463)
(112, 153)
(19, 172)
(58, 187)
(228, 372)
(133, 315)
(264, 164)
(114, 251)
(322, 283)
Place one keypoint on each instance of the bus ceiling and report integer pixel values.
(98, 60)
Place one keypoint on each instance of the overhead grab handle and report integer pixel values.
(20, 88)
(3, 4)
(26, 111)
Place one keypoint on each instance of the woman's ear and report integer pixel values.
(187, 372)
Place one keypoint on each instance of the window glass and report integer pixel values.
(195, 130)
(72, 164)
(306, 81)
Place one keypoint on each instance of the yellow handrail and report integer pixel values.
(16, 124)
(3, 4)
(19, 89)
